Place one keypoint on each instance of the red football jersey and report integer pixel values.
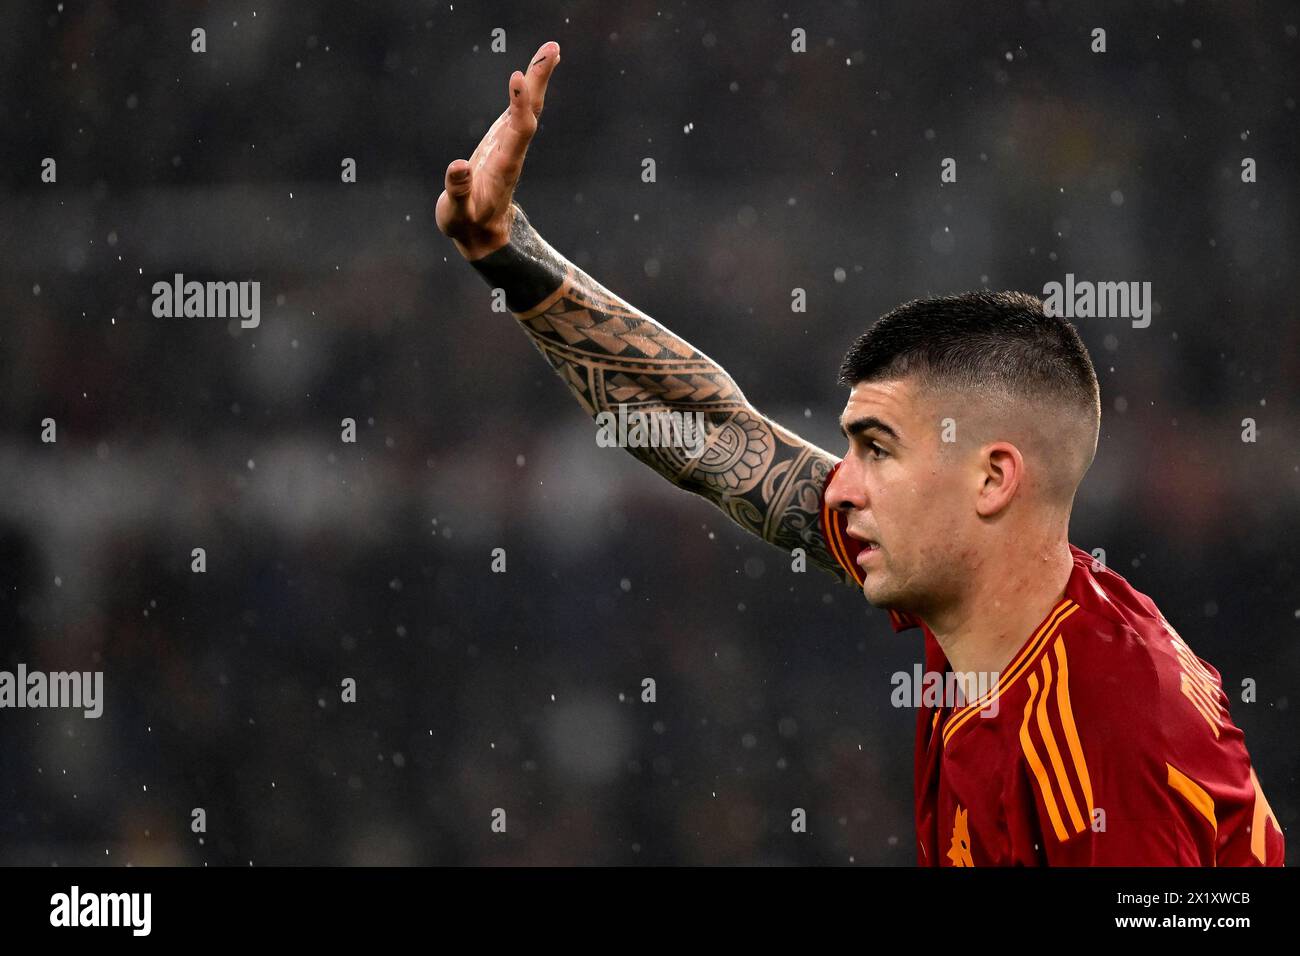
(1105, 742)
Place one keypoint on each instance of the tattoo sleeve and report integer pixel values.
(765, 478)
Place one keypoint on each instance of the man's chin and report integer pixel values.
(879, 594)
(876, 595)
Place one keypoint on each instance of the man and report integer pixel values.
(1101, 739)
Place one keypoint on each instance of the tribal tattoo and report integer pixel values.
(764, 477)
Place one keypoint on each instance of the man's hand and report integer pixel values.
(474, 209)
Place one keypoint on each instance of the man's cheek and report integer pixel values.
(929, 541)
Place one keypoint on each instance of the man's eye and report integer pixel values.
(875, 451)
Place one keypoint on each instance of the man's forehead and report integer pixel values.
(893, 401)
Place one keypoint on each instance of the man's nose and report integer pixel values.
(845, 492)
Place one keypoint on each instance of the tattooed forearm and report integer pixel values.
(765, 478)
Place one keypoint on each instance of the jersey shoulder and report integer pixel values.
(1151, 740)
(1133, 669)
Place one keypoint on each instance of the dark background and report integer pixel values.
(521, 690)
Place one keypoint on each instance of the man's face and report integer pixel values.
(907, 492)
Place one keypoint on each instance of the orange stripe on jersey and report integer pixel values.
(1195, 794)
(1036, 765)
(1259, 822)
(828, 532)
(1015, 670)
(835, 541)
(845, 558)
(1053, 752)
(1067, 725)
(1059, 705)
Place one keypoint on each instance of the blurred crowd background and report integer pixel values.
(327, 560)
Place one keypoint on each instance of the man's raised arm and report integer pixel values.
(764, 477)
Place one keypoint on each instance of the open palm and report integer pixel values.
(474, 208)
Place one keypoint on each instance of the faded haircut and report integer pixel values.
(978, 342)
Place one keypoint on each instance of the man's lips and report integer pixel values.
(869, 547)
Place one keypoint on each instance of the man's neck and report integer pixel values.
(1005, 600)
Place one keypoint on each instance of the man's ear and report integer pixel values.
(1004, 469)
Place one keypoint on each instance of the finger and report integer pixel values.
(513, 136)
(538, 74)
(458, 182)
(519, 104)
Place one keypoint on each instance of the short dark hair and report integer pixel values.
(977, 341)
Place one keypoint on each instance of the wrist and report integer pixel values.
(488, 241)
(524, 266)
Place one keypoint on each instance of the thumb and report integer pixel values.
(452, 211)
(458, 182)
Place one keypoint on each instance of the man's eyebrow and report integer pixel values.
(869, 423)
